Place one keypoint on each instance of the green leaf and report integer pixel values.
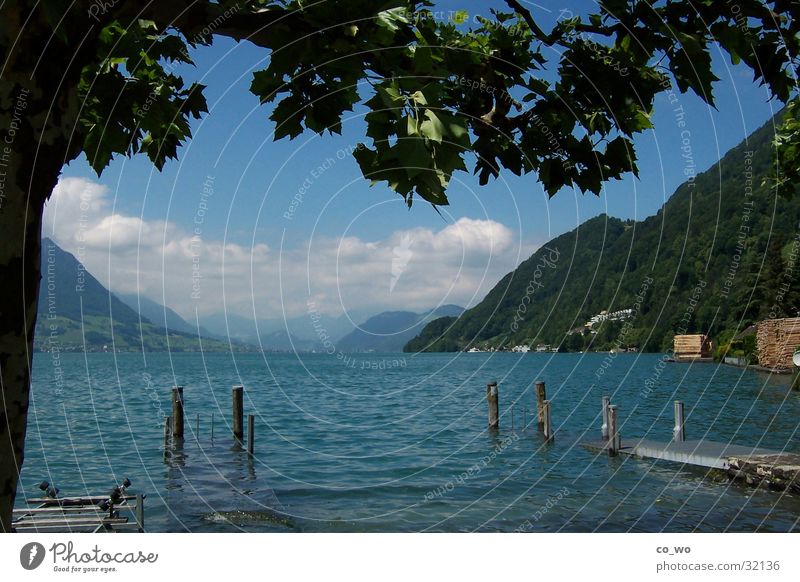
(432, 127)
(413, 156)
(265, 85)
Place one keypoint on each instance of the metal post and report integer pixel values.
(237, 397)
(604, 428)
(493, 399)
(140, 512)
(167, 424)
(541, 396)
(177, 411)
(251, 436)
(613, 431)
(679, 431)
(547, 421)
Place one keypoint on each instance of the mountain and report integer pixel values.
(714, 259)
(391, 330)
(303, 330)
(77, 312)
(159, 314)
(282, 341)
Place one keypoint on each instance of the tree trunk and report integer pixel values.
(30, 164)
(21, 224)
(39, 134)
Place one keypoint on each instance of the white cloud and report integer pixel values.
(412, 269)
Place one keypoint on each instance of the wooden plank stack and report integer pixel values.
(776, 341)
(691, 347)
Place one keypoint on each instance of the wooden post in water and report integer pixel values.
(197, 426)
(613, 431)
(679, 431)
(548, 423)
(237, 394)
(493, 399)
(212, 426)
(512, 418)
(177, 411)
(541, 396)
(604, 429)
(251, 435)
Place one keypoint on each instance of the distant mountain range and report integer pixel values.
(297, 333)
(386, 332)
(77, 311)
(391, 330)
(161, 315)
(714, 259)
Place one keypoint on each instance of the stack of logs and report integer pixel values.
(691, 347)
(777, 340)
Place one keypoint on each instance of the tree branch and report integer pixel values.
(194, 19)
(528, 18)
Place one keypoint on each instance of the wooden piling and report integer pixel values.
(547, 422)
(251, 435)
(237, 396)
(212, 426)
(512, 418)
(197, 426)
(613, 431)
(604, 429)
(177, 411)
(541, 396)
(493, 399)
(679, 431)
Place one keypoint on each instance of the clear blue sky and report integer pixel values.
(256, 178)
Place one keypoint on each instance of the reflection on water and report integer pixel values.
(343, 449)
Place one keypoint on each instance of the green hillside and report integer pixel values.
(716, 258)
(77, 312)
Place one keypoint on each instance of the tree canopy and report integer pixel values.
(99, 77)
(564, 104)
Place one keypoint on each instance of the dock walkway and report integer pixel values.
(690, 452)
(756, 467)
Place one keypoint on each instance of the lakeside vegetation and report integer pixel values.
(718, 257)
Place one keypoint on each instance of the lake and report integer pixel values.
(398, 442)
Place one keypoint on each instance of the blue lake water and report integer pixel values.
(395, 442)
